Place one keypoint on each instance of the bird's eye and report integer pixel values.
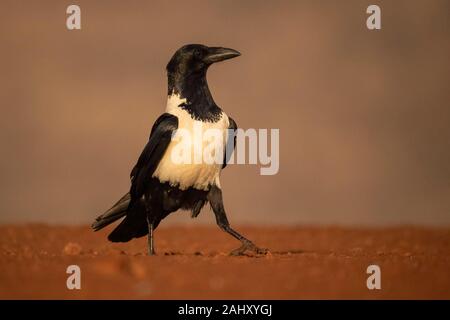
(197, 53)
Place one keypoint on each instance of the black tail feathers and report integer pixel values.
(116, 212)
(133, 226)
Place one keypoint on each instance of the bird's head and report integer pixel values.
(194, 59)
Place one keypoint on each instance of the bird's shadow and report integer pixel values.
(288, 252)
(246, 254)
(216, 254)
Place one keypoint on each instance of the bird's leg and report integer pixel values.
(150, 225)
(151, 247)
(216, 201)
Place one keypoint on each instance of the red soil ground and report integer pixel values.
(192, 262)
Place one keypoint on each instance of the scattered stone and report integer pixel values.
(72, 249)
(407, 254)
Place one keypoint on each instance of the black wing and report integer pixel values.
(231, 142)
(160, 137)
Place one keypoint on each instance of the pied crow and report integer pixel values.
(159, 185)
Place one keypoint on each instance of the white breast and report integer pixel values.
(193, 174)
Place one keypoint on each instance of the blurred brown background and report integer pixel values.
(363, 115)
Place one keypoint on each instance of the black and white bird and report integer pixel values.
(159, 185)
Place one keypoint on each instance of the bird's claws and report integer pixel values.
(248, 246)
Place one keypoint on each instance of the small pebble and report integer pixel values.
(72, 249)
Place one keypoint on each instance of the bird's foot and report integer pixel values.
(151, 252)
(248, 246)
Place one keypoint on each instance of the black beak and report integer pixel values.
(217, 54)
